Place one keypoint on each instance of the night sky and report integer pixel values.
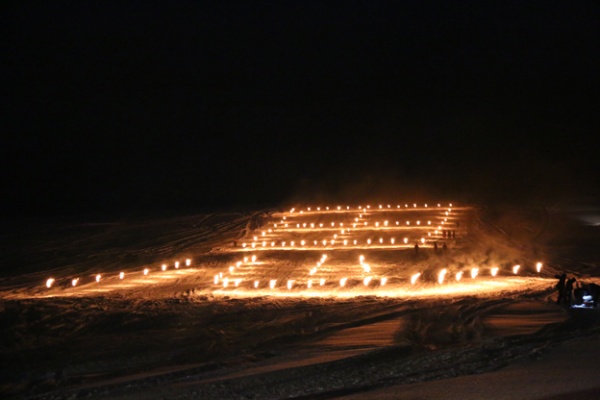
(141, 106)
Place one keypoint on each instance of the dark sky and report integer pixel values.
(135, 106)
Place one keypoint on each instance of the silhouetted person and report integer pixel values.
(560, 286)
(444, 248)
(569, 291)
(416, 249)
(435, 248)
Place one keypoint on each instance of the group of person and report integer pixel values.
(565, 289)
(576, 294)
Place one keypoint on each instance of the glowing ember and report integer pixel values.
(98, 278)
(121, 275)
(474, 272)
(49, 282)
(74, 281)
(538, 267)
(516, 269)
(146, 271)
(414, 278)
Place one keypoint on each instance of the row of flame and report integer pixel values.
(75, 281)
(220, 279)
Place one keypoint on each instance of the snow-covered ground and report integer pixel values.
(314, 301)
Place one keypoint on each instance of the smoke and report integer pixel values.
(377, 186)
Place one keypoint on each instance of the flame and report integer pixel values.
(538, 267)
(414, 278)
(225, 282)
(49, 282)
(516, 269)
(474, 272)
(321, 281)
(216, 280)
(121, 275)
(441, 276)
(367, 280)
(494, 271)
(74, 281)
(272, 283)
(176, 264)
(290, 283)
(309, 283)
(459, 275)
(255, 284)
(343, 281)
(98, 278)
(383, 281)
(164, 267)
